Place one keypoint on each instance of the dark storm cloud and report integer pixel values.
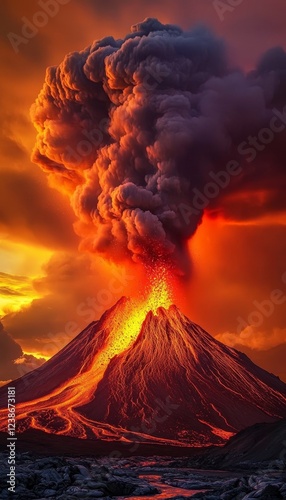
(10, 350)
(11, 357)
(260, 188)
(173, 111)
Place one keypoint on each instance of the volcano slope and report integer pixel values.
(161, 379)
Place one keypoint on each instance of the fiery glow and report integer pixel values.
(160, 294)
(116, 336)
(141, 364)
(36, 355)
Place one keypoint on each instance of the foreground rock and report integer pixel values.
(63, 478)
(71, 478)
(260, 443)
(264, 487)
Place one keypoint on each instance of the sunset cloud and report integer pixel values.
(73, 292)
(15, 292)
(254, 338)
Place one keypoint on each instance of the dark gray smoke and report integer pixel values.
(132, 129)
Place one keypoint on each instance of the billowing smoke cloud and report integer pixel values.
(132, 128)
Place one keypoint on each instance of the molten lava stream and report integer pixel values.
(58, 408)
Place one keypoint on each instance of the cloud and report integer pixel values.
(74, 291)
(21, 283)
(12, 356)
(265, 348)
(15, 292)
(10, 147)
(10, 349)
(130, 128)
(254, 338)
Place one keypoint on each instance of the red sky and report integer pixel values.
(50, 290)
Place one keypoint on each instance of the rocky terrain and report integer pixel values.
(251, 465)
(254, 446)
(72, 478)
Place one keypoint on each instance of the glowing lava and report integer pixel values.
(116, 334)
(145, 372)
(158, 294)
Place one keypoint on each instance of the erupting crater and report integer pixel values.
(145, 373)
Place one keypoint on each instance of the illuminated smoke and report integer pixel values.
(131, 128)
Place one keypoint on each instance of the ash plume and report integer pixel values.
(131, 128)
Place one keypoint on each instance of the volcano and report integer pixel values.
(149, 377)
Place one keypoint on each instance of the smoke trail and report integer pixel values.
(129, 128)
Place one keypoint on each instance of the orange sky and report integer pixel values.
(49, 290)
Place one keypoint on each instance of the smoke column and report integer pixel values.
(132, 129)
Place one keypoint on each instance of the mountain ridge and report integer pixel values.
(171, 383)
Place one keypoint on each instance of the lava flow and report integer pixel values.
(145, 372)
(115, 332)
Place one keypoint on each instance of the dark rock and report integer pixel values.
(237, 493)
(96, 485)
(50, 493)
(145, 490)
(269, 492)
(83, 471)
(50, 462)
(120, 487)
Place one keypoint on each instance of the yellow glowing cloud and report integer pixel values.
(36, 355)
(15, 292)
(20, 264)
